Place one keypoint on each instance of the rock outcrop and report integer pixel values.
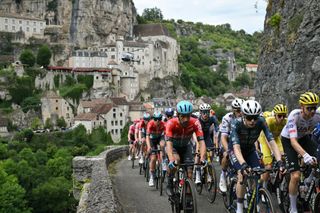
(289, 62)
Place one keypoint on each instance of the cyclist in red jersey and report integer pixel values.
(155, 137)
(179, 132)
(142, 130)
(131, 139)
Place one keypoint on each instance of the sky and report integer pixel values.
(240, 14)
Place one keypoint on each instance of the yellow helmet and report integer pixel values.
(280, 109)
(309, 98)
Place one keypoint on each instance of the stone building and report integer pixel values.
(29, 26)
(53, 107)
(89, 120)
(3, 126)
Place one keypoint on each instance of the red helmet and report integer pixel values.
(212, 112)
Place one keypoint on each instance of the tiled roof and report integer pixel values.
(92, 103)
(119, 101)
(150, 30)
(86, 117)
(102, 109)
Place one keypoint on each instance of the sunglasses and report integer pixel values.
(206, 112)
(311, 108)
(185, 116)
(252, 117)
(157, 119)
(281, 116)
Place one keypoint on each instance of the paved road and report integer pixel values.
(136, 196)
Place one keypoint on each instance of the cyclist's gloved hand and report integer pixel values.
(171, 165)
(281, 166)
(204, 163)
(245, 168)
(308, 159)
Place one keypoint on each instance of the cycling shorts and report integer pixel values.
(251, 158)
(185, 153)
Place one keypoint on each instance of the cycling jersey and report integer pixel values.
(297, 126)
(155, 131)
(246, 137)
(142, 126)
(275, 129)
(132, 131)
(226, 123)
(181, 136)
(206, 129)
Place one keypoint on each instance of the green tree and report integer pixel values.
(31, 103)
(44, 56)
(152, 14)
(61, 122)
(27, 58)
(220, 111)
(12, 195)
(48, 124)
(36, 123)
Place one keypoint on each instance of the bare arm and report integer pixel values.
(275, 150)
(203, 150)
(169, 149)
(237, 152)
(297, 147)
(224, 141)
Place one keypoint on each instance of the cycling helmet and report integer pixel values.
(204, 107)
(266, 114)
(251, 107)
(236, 103)
(309, 98)
(157, 115)
(169, 112)
(280, 109)
(212, 112)
(146, 116)
(184, 107)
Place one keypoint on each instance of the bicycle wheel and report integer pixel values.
(140, 170)
(283, 194)
(161, 178)
(230, 197)
(157, 175)
(211, 186)
(189, 200)
(147, 171)
(316, 203)
(265, 202)
(132, 162)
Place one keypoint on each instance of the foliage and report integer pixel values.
(36, 123)
(220, 111)
(74, 92)
(124, 134)
(86, 80)
(44, 56)
(243, 80)
(27, 58)
(152, 14)
(22, 88)
(52, 5)
(6, 47)
(56, 80)
(31, 103)
(48, 124)
(294, 23)
(275, 20)
(61, 122)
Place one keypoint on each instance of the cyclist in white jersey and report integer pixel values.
(295, 137)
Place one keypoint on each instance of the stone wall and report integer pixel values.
(289, 62)
(92, 184)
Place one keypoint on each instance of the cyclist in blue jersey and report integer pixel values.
(243, 155)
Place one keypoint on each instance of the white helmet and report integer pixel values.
(204, 106)
(251, 107)
(236, 103)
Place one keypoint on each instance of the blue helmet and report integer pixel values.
(184, 107)
(157, 115)
(169, 112)
(146, 116)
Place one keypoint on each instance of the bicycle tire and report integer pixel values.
(230, 197)
(189, 197)
(212, 186)
(140, 170)
(132, 162)
(161, 182)
(265, 204)
(316, 203)
(147, 171)
(157, 176)
(284, 196)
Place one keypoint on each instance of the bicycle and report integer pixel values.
(257, 198)
(209, 177)
(184, 196)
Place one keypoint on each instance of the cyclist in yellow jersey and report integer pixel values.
(275, 124)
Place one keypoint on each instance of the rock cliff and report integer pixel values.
(289, 62)
(78, 23)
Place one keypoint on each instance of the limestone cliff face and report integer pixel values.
(289, 62)
(84, 23)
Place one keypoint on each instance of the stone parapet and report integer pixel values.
(92, 185)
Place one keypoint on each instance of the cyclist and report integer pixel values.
(296, 140)
(155, 137)
(275, 124)
(179, 131)
(225, 132)
(132, 139)
(206, 124)
(243, 155)
(142, 127)
(169, 114)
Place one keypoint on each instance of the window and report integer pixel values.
(120, 122)
(41, 24)
(120, 114)
(67, 115)
(6, 27)
(20, 22)
(27, 29)
(68, 108)
(116, 123)
(27, 22)
(34, 30)
(97, 77)
(34, 23)
(112, 49)
(114, 115)
(120, 131)
(13, 21)
(56, 108)
(112, 132)
(113, 57)
(13, 28)
(111, 123)
(116, 131)
(6, 21)
(114, 109)
(56, 101)
(20, 28)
